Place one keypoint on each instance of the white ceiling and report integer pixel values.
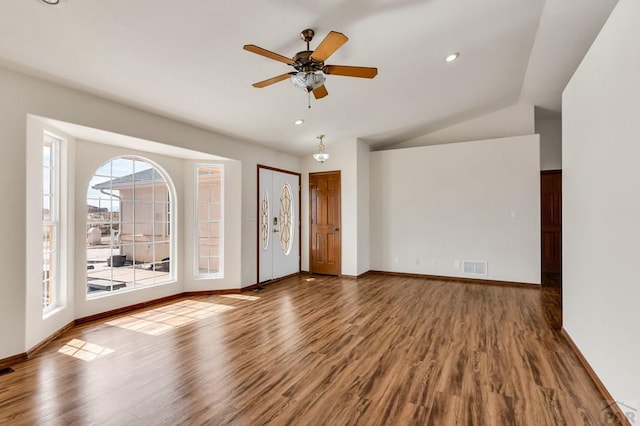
(184, 59)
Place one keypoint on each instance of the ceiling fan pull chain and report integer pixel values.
(309, 100)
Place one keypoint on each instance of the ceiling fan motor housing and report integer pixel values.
(304, 63)
(307, 35)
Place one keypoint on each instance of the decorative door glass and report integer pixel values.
(286, 219)
(264, 220)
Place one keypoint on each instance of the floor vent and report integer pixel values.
(7, 370)
(475, 268)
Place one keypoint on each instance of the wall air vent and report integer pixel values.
(475, 268)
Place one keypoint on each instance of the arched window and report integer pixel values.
(129, 226)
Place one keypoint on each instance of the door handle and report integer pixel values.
(275, 230)
(336, 229)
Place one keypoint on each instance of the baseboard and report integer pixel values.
(265, 283)
(596, 380)
(148, 303)
(357, 277)
(124, 309)
(102, 315)
(14, 359)
(250, 287)
(459, 279)
(345, 276)
(31, 352)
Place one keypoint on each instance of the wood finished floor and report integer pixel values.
(315, 351)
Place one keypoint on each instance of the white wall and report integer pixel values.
(516, 120)
(364, 208)
(23, 95)
(550, 131)
(477, 201)
(344, 157)
(601, 202)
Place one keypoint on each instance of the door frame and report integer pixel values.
(275, 169)
(339, 259)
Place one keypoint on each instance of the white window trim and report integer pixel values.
(196, 233)
(172, 232)
(54, 219)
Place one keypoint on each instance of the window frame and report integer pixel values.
(155, 265)
(198, 274)
(54, 206)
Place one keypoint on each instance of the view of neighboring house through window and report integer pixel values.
(209, 226)
(129, 243)
(50, 222)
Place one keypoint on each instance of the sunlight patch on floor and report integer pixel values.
(83, 350)
(168, 317)
(241, 297)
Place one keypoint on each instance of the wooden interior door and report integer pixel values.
(325, 235)
(551, 217)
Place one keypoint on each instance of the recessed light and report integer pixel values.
(299, 122)
(452, 57)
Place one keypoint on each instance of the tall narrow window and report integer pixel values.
(209, 226)
(129, 243)
(50, 222)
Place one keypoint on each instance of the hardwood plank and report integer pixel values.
(314, 350)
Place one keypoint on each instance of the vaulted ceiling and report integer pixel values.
(184, 60)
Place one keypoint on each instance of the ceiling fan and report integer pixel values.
(310, 69)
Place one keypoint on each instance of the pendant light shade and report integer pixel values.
(321, 156)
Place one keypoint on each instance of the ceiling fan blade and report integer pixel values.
(332, 42)
(320, 92)
(362, 72)
(271, 81)
(268, 54)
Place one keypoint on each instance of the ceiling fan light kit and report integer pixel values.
(308, 81)
(310, 69)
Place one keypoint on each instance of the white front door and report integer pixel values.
(278, 224)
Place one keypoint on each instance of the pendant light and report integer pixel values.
(321, 156)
